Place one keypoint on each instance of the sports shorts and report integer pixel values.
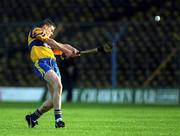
(43, 65)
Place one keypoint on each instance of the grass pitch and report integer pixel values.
(93, 120)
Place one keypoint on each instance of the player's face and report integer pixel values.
(49, 30)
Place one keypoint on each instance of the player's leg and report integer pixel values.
(47, 69)
(54, 80)
(46, 106)
(40, 68)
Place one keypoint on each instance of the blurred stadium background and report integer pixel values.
(144, 66)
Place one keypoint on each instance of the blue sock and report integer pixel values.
(36, 115)
(57, 115)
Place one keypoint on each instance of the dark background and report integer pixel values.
(142, 47)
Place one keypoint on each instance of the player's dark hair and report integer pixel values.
(47, 22)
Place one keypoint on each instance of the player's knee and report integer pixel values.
(58, 86)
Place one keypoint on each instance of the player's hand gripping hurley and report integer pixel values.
(106, 48)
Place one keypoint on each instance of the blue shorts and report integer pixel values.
(45, 64)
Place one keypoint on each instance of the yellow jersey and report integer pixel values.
(38, 48)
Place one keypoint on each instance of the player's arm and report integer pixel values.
(56, 45)
(70, 47)
(39, 34)
(65, 48)
(75, 52)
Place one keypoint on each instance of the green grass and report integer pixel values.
(93, 120)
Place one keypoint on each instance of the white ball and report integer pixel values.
(157, 18)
